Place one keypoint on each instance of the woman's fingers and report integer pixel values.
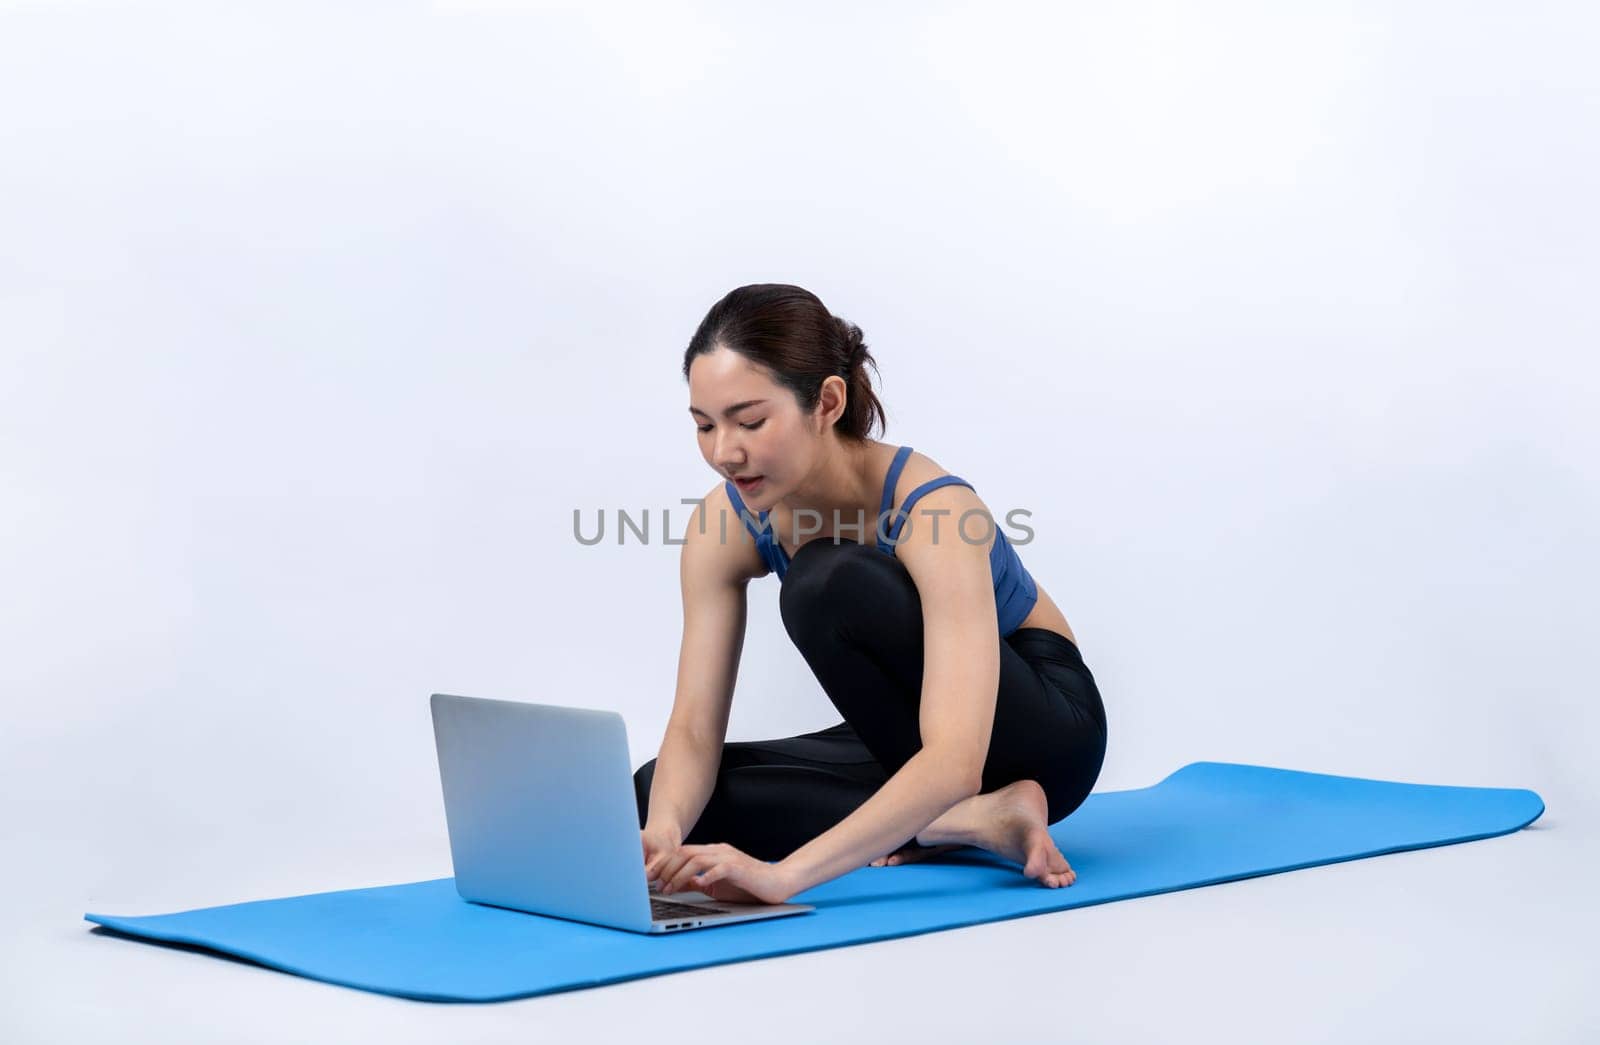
(671, 869)
(669, 864)
(696, 862)
(676, 868)
(699, 863)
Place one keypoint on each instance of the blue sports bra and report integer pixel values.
(1014, 590)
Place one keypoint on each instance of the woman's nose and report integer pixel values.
(727, 453)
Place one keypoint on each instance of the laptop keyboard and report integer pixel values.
(660, 908)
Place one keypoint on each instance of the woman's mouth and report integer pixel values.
(750, 483)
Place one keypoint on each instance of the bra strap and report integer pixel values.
(905, 509)
(895, 469)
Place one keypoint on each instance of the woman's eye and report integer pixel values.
(704, 428)
(751, 427)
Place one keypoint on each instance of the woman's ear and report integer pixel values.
(831, 401)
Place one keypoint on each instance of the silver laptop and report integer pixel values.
(540, 806)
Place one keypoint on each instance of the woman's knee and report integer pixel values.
(1064, 796)
(827, 579)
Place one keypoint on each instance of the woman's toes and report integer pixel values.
(910, 854)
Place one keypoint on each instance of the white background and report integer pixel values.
(317, 322)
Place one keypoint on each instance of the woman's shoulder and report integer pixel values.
(919, 468)
(951, 501)
(718, 540)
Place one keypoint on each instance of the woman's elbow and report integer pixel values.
(962, 771)
(974, 784)
(968, 779)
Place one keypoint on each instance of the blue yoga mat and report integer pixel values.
(1207, 822)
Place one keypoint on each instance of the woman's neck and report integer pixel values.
(849, 482)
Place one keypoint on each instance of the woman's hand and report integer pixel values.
(660, 842)
(724, 873)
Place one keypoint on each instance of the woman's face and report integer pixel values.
(749, 426)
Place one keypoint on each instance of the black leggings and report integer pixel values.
(856, 616)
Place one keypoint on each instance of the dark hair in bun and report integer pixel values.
(787, 330)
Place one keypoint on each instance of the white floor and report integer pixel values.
(1487, 941)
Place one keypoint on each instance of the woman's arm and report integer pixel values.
(918, 794)
(680, 787)
(960, 685)
(713, 576)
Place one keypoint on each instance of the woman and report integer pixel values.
(969, 716)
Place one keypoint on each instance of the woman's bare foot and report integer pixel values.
(910, 853)
(1014, 826)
